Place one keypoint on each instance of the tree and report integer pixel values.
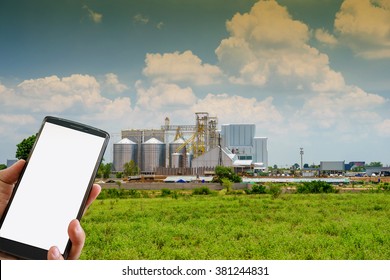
(295, 166)
(375, 164)
(223, 172)
(358, 169)
(104, 170)
(130, 168)
(24, 147)
(3, 166)
(227, 184)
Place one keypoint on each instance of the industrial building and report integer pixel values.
(332, 167)
(186, 149)
(239, 148)
(378, 171)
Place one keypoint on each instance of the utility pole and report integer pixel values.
(301, 152)
(220, 151)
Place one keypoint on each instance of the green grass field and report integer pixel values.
(292, 226)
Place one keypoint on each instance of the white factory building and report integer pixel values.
(239, 148)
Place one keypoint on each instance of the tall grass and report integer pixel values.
(293, 226)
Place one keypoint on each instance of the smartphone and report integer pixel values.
(52, 189)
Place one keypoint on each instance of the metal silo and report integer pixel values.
(176, 160)
(124, 151)
(152, 155)
(174, 148)
(189, 159)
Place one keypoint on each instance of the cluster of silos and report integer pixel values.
(124, 151)
(151, 154)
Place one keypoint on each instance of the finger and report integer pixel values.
(5, 256)
(7, 178)
(11, 174)
(95, 191)
(77, 237)
(54, 254)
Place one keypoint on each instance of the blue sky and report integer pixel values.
(311, 74)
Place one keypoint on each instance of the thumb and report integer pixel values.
(11, 174)
(54, 254)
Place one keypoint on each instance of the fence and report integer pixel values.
(201, 171)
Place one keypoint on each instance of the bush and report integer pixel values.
(226, 184)
(134, 193)
(119, 193)
(175, 195)
(237, 192)
(201, 191)
(384, 186)
(315, 187)
(258, 189)
(111, 193)
(275, 191)
(166, 192)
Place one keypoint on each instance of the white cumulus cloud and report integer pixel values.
(354, 107)
(268, 48)
(235, 108)
(54, 94)
(76, 94)
(364, 25)
(163, 96)
(112, 83)
(180, 67)
(325, 37)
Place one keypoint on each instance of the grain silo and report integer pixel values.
(189, 158)
(176, 160)
(152, 155)
(176, 149)
(124, 151)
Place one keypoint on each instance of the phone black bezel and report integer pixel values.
(26, 251)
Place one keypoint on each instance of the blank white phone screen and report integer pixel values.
(52, 188)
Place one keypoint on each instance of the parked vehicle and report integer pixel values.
(384, 173)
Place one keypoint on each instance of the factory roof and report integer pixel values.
(242, 162)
